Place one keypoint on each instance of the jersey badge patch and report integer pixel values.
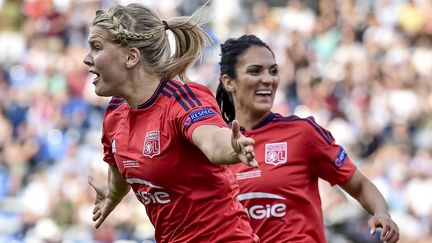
(340, 159)
(276, 153)
(152, 144)
(197, 115)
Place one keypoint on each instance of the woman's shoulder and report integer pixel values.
(305, 122)
(279, 118)
(191, 88)
(113, 107)
(198, 87)
(114, 104)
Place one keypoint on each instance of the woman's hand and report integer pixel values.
(390, 231)
(103, 204)
(243, 146)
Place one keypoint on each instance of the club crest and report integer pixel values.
(152, 144)
(276, 153)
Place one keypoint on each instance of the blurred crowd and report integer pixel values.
(362, 68)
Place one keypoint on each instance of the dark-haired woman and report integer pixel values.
(281, 196)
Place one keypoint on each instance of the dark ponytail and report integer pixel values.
(226, 105)
(230, 52)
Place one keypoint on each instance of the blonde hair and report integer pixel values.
(134, 25)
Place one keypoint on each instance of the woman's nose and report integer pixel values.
(268, 78)
(87, 60)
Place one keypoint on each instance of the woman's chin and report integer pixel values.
(100, 92)
(263, 107)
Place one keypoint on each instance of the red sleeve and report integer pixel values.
(204, 111)
(328, 160)
(108, 155)
(107, 142)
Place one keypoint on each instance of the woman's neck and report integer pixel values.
(141, 88)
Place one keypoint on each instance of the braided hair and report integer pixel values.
(231, 50)
(135, 25)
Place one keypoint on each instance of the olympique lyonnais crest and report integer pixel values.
(276, 153)
(152, 144)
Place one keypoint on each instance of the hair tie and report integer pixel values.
(165, 24)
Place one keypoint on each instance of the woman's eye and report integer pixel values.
(274, 71)
(254, 71)
(95, 47)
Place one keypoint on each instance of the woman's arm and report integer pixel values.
(224, 146)
(366, 193)
(107, 197)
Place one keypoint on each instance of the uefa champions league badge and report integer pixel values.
(187, 122)
(340, 158)
(152, 144)
(197, 115)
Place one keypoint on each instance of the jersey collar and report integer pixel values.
(264, 121)
(155, 95)
(268, 118)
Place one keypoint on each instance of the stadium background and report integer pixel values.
(362, 68)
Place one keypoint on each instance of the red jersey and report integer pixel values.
(281, 196)
(187, 198)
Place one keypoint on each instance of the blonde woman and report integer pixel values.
(162, 137)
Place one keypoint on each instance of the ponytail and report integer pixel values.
(226, 105)
(190, 42)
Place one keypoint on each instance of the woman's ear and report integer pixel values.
(228, 83)
(133, 57)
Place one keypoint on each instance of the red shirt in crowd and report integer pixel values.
(187, 198)
(281, 196)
